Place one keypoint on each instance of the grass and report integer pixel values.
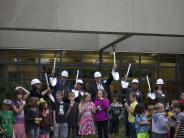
(121, 131)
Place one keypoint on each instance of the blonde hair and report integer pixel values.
(70, 94)
(158, 106)
(86, 94)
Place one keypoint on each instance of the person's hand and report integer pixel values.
(175, 136)
(101, 98)
(98, 107)
(1, 130)
(114, 67)
(51, 129)
(126, 104)
(48, 90)
(71, 103)
(75, 86)
(24, 102)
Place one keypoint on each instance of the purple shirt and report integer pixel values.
(101, 115)
(19, 117)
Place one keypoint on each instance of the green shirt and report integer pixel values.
(6, 121)
(131, 117)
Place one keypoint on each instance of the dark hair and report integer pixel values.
(163, 88)
(133, 94)
(59, 92)
(15, 96)
(139, 109)
(179, 105)
(103, 92)
(33, 101)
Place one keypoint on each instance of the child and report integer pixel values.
(33, 117)
(18, 106)
(114, 111)
(73, 116)
(149, 114)
(59, 116)
(46, 116)
(179, 131)
(6, 119)
(181, 97)
(172, 118)
(130, 109)
(141, 122)
(159, 122)
(86, 110)
(102, 104)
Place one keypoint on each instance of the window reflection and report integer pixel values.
(70, 57)
(130, 58)
(168, 60)
(47, 57)
(28, 56)
(28, 71)
(9, 56)
(168, 73)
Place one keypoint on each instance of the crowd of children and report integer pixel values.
(76, 115)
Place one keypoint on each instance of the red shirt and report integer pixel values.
(181, 101)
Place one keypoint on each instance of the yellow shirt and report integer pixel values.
(131, 117)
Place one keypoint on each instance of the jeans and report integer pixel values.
(102, 127)
(132, 130)
(60, 130)
(34, 132)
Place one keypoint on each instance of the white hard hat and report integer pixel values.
(97, 74)
(80, 81)
(160, 81)
(135, 81)
(64, 73)
(35, 81)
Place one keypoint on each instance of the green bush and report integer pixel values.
(7, 88)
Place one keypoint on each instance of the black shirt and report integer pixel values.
(34, 93)
(60, 118)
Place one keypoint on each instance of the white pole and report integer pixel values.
(46, 78)
(50, 95)
(128, 69)
(114, 53)
(77, 76)
(54, 63)
(147, 78)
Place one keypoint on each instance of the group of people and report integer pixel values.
(77, 113)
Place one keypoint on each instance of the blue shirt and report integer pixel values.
(141, 128)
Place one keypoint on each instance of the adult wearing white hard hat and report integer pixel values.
(160, 93)
(99, 84)
(37, 89)
(134, 87)
(62, 85)
(78, 90)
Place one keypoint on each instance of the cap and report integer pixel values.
(97, 74)
(135, 81)
(64, 73)
(7, 101)
(35, 81)
(80, 81)
(160, 81)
